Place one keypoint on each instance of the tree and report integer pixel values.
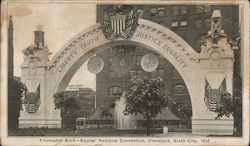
(68, 103)
(147, 97)
(106, 112)
(184, 111)
(231, 105)
(16, 90)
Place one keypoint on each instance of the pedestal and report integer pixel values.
(40, 119)
(212, 126)
(40, 123)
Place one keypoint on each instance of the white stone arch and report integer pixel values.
(156, 31)
(150, 35)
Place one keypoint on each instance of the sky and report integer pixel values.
(60, 23)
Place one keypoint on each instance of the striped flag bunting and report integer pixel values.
(212, 96)
(32, 101)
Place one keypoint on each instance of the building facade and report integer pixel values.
(191, 22)
(86, 100)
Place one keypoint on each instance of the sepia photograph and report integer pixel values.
(124, 72)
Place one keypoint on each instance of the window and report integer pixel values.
(175, 10)
(179, 89)
(184, 23)
(157, 12)
(199, 9)
(115, 50)
(183, 9)
(198, 23)
(111, 61)
(114, 90)
(138, 60)
(138, 49)
(153, 12)
(112, 74)
(161, 11)
(174, 24)
(207, 23)
(161, 73)
(139, 11)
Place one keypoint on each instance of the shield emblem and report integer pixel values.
(119, 21)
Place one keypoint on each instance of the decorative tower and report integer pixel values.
(34, 69)
(216, 64)
(10, 48)
(39, 36)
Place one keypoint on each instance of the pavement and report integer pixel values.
(178, 134)
(102, 132)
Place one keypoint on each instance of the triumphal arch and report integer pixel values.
(205, 74)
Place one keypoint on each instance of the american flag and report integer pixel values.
(212, 96)
(32, 101)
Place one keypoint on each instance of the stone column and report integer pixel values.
(216, 74)
(33, 75)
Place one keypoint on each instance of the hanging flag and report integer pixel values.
(212, 96)
(32, 101)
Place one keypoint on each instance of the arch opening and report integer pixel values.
(84, 57)
(105, 47)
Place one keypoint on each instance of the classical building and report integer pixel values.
(191, 22)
